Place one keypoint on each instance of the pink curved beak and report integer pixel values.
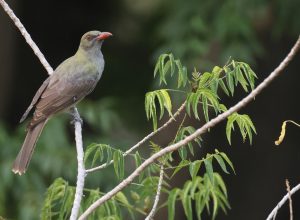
(104, 35)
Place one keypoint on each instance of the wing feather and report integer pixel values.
(59, 96)
(35, 98)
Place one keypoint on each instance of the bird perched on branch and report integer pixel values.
(72, 80)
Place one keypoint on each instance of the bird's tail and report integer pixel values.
(21, 163)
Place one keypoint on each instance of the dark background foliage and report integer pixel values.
(200, 33)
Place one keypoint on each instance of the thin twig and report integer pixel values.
(27, 36)
(198, 132)
(154, 207)
(282, 201)
(172, 119)
(78, 128)
(288, 189)
(81, 170)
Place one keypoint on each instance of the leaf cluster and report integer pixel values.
(203, 193)
(202, 94)
(201, 189)
(198, 89)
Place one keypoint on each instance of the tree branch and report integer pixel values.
(172, 119)
(27, 36)
(77, 120)
(198, 132)
(81, 173)
(154, 207)
(288, 189)
(282, 201)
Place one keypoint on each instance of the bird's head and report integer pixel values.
(93, 39)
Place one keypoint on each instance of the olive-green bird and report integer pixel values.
(72, 80)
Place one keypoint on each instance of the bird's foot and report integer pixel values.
(75, 115)
(75, 119)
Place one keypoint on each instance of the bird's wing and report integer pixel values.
(60, 95)
(35, 98)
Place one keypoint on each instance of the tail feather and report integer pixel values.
(21, 163)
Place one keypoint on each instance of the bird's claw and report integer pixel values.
(76, 117)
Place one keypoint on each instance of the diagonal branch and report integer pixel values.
(282, 201)
(78, 127)
(198, 132)
(154, 207)
(27, 36)
(172, 119)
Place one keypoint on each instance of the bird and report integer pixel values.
(70, 82)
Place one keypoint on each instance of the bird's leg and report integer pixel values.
(75, 114)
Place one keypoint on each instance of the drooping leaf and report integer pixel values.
(187, 201)
(181, 165)
(221, 163)
(174, 193)
(164, 101)
(227, 160)
(245, 124)
(194, 168)
(209, 168)
(138, 162)
(118, 159)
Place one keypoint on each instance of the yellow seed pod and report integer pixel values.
(282, 133)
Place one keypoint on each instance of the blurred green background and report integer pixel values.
(202, 33)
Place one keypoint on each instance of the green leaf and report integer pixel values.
(224, 88)
(204, 95)
(215, 205)
(242, 80)
(116, 163)
(119, 164)
(167, 101)
(227, 160)
(250, 75)
(109, 155)
(182, 153)
(191, 149)
(196, 183)
(221, 184)
(183, 133)
(164, 101)
(209, 168)
(199, 204)
(166, 65)
(96, 156)
(245, 124)
(96, 150)
(138, 162)
(182, 74)
(135, 196)
(230, 82)
(194, 168)
(204, 80)
(171, 202)
(89, 150)
(187, 201)
(121, 197)
(230, 126)
(58, 200)
(182, 164)
(221, 163)
(205, 108)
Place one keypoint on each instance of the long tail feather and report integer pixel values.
(21, 163)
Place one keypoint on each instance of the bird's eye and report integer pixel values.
(89, 37)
